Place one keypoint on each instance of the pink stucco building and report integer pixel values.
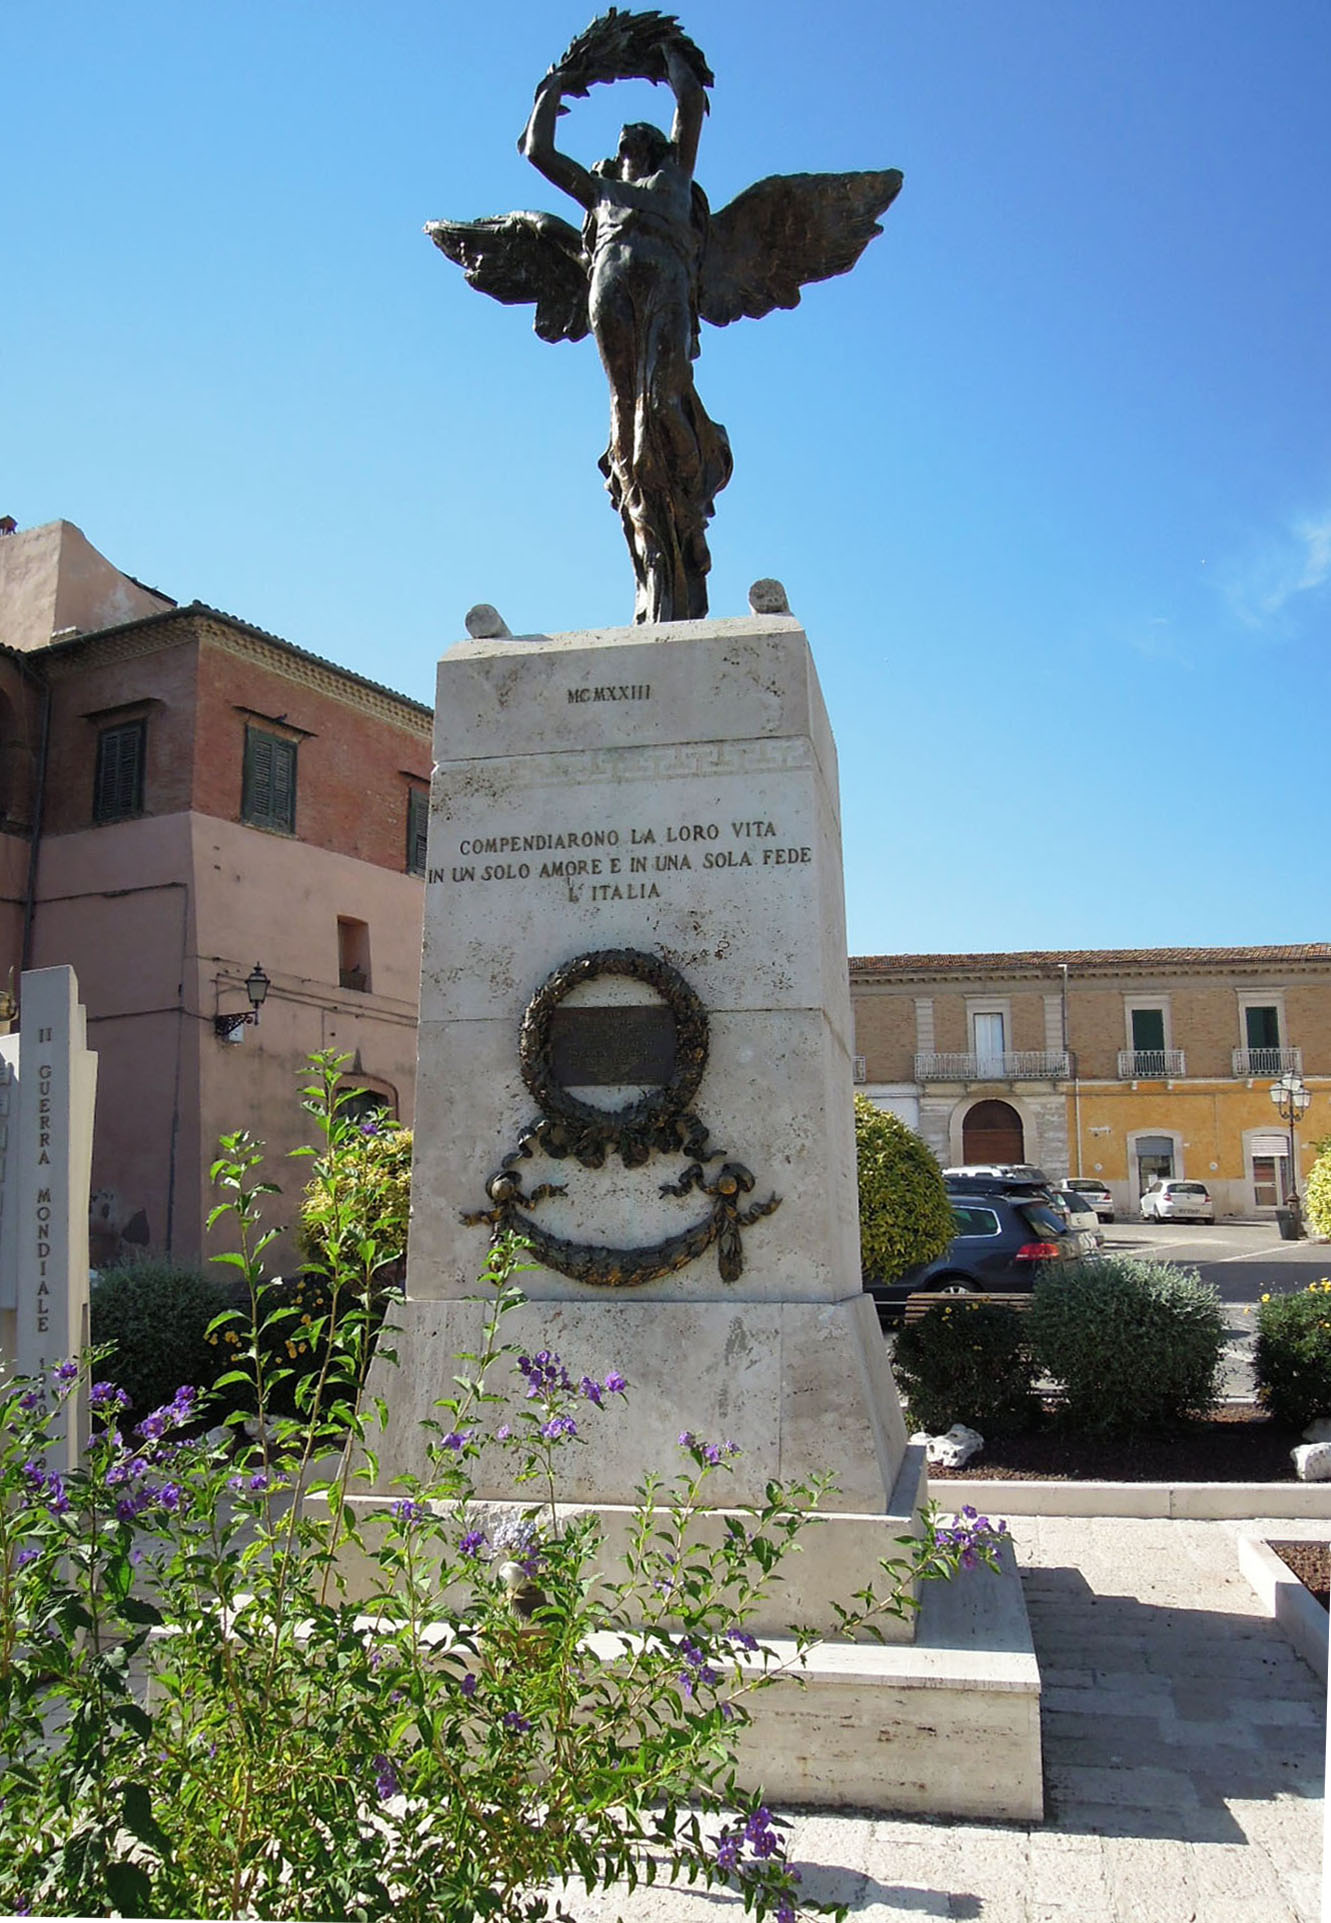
(183, 796)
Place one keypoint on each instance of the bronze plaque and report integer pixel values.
(599, 1047)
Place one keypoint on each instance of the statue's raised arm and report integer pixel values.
(649, 264)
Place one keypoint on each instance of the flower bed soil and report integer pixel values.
(1311, 1563)
(1239, 1444)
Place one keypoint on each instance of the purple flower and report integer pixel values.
(544, 1372)
(729, 1844)
(370, 1127)
(699, 1673)
(169, 1495)
(56, 1499)
(32, 1401)
(686, 1438)
(512, 1720)
(591, 1389)
(559, 1426)
(503, 1432)
(67, 1372)
(742, 1638)
(468, 1686)
(385, 1778)
(615, 1385)
(26, 1556)
(759, 1834)
(153, 1426)
(472, 1543)
(103, 1397)
(785, 1911)
(407, 1511)
(457, 1438)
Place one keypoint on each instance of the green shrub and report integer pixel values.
(967, 1361)
(1135, 1345)
(1292, 1362)
(361, 1189)
(156, 1315)
(1317, 1197)
(905, 1215)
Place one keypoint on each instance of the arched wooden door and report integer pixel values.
(992, 1132)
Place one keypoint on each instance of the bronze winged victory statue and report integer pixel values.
(650, 262)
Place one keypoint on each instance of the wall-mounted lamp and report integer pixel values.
(231, 1028)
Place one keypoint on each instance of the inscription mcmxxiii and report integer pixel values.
(625, 864)
(620, 691)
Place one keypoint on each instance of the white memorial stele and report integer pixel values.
(48, 1083)
(647, 819)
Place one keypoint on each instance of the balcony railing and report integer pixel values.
(1151, 1065)
(1267, 1064)
(1014, 1065)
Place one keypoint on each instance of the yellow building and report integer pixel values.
(1126, 1064)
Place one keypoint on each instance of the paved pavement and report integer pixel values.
(1183, 1752)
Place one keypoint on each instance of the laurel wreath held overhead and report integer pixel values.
(627, 46)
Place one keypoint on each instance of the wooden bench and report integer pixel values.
(919, 1304)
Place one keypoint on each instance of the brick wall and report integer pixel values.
(354, 770)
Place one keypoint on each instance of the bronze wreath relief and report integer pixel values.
(659, 1121)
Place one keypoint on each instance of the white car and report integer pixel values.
(1081, 1216)
(1177, 1202)
(1099, 1197)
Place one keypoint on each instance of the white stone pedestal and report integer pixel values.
(634, 841)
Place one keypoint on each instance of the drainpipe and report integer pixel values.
(1076, 1077)
(38, 812)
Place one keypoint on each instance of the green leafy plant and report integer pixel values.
(1292, 1354)
(360, 1189)
(1135, 1345)
(1317, 1195)
(154, 1317)
(967, 1361)
(197, 1720)
(905, 1215)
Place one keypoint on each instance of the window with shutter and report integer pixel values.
(268, 794)
(418, 822)
(118, 782)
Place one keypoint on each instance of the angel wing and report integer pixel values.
(784, 232)
(516, 258)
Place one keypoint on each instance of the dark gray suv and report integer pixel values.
(1007, 1232)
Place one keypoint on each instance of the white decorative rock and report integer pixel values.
(955, 1449)
(1312, 1461)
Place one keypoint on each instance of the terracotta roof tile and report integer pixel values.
(1049, 960)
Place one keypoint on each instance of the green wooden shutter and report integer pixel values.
(118, 783)
(418, 823)
(268, 797)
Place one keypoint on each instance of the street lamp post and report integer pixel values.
(1291, 1098)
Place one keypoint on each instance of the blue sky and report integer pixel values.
(1048, 477)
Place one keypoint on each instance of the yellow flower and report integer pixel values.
(1266, 1298)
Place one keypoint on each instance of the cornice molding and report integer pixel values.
(180, 626)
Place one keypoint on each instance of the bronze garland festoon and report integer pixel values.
(659, 1121)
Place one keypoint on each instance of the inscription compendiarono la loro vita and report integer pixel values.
(623, 864)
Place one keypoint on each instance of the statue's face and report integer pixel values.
(642, 148)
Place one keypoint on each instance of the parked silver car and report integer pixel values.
(1099, 1197)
